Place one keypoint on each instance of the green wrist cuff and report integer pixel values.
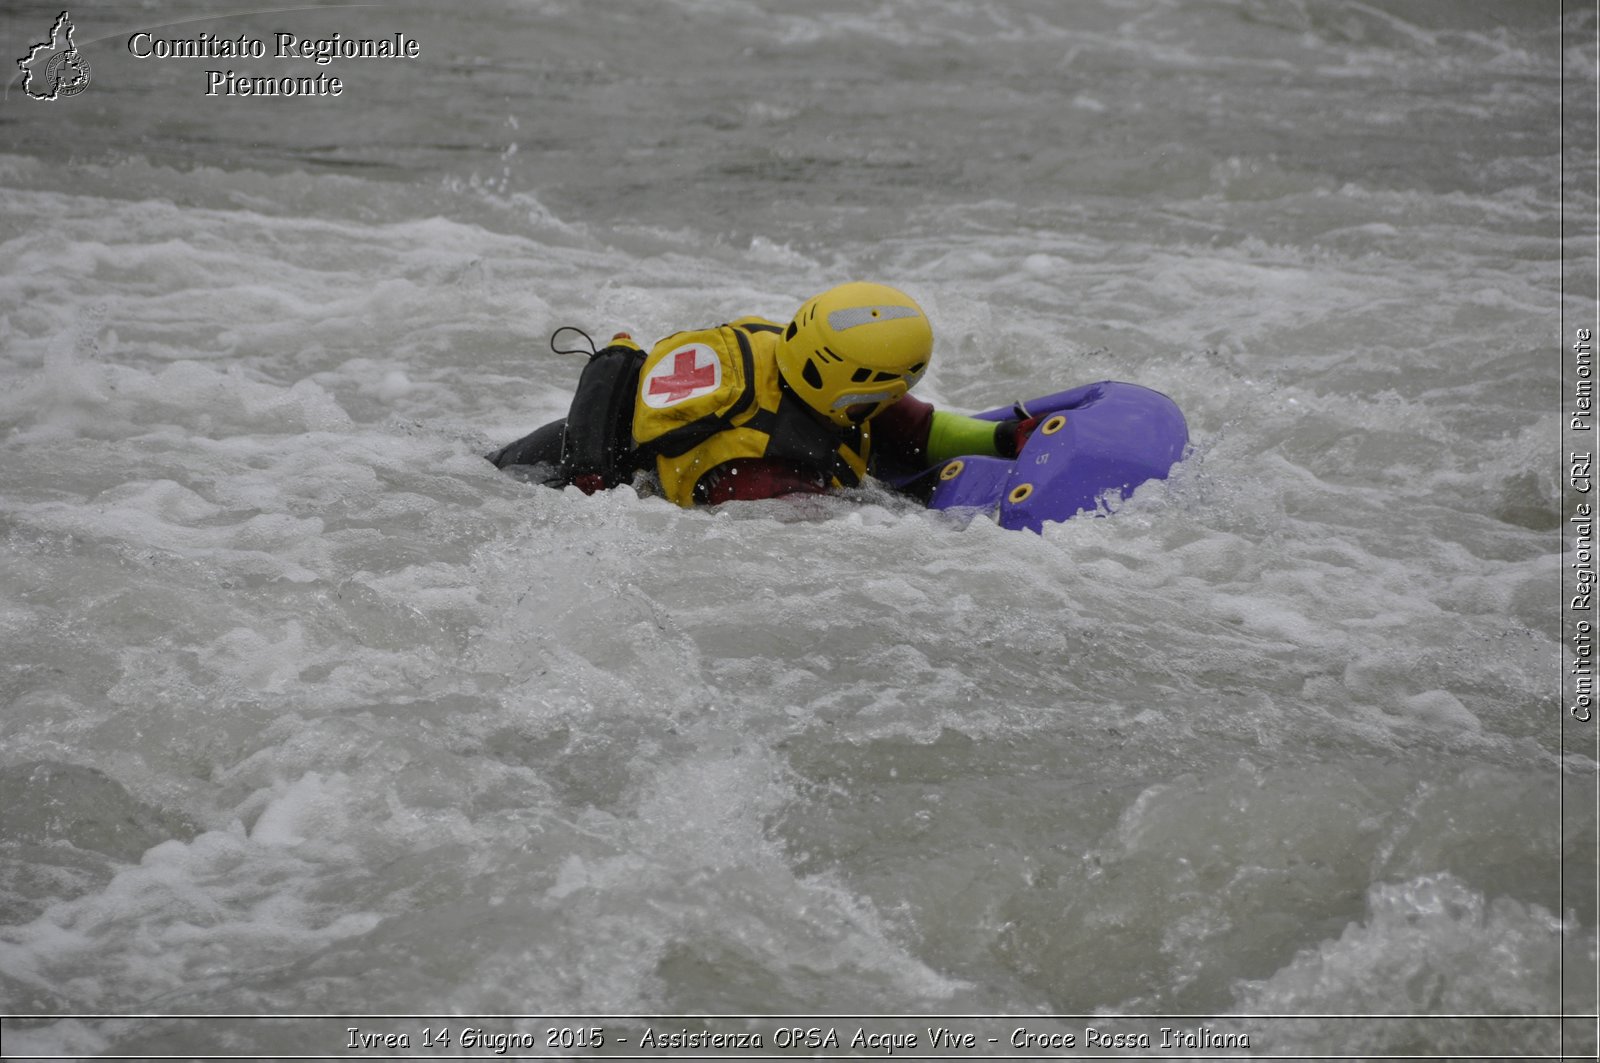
(952, 434)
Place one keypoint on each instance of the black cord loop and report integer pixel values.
(591, 352)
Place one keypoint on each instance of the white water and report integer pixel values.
(307, 708)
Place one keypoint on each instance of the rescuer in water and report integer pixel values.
(754, 409)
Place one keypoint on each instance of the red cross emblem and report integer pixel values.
(694, 370)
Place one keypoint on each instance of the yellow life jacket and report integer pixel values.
(712, 396)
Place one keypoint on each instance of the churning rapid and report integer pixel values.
(309, 709)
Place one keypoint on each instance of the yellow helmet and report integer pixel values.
(852, 351)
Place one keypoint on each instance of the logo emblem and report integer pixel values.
(55, 68)
(686, 373)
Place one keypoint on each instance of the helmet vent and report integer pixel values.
(811, 375)
(886, 376)
(860, 375)
(917, 368)
(794, 326)
(831, 354)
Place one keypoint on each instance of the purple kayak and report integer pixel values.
(1092, 440)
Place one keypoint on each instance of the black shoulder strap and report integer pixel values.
(797, 435)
